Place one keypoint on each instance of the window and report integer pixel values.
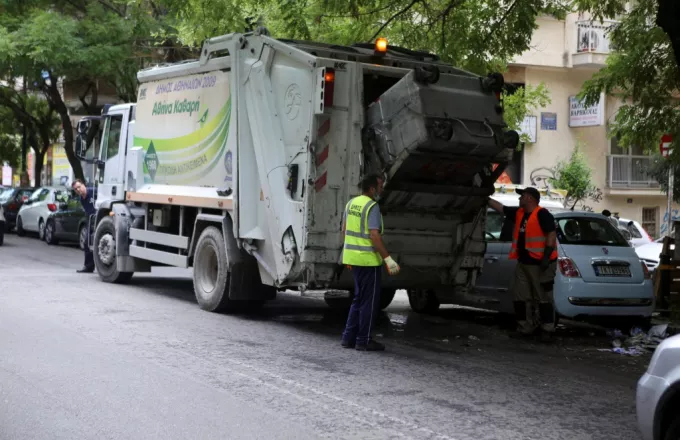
(39, 195)
(112, 132)
(494, 225)
(649, 220)
(587, 231)
(7, 195)
(62, 195)
(617, 149)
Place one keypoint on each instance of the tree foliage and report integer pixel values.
(521, 103)
(575, 177)
(48, 42)
(473, 34)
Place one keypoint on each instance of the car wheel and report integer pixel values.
(82, 237)
(41, 230)
(50, 233)
(104, 253)
(423, 301)
(21, 232)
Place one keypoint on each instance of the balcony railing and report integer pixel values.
(630, 172)
(593, 37)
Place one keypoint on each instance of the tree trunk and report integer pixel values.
(37, 173)
(38, 158)
(52, 93)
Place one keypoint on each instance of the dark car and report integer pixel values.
(11, 200)
(67, 223)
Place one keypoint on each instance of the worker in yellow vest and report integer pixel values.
(534, 246)
(364, 252)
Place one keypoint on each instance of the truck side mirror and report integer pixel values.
(80, 147)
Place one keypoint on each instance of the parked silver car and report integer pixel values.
(658, 394)
(599, 274)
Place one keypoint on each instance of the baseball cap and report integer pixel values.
(533, 192)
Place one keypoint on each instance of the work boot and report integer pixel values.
(85, 270)
(348, 344)
(371, 346)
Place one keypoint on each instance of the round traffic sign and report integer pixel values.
(665, 146)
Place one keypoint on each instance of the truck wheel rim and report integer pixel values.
(208, 271)
(107, 249)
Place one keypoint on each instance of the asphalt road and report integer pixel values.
(81, 359)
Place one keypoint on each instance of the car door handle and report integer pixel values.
(491, 259)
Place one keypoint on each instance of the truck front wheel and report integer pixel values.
(211, 273)
(104, 253)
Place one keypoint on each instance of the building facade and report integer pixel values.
(563, 55)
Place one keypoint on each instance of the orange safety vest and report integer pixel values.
(534, 238)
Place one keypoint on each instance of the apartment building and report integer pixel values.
(563, 55)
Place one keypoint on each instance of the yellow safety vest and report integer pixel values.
(358, 249)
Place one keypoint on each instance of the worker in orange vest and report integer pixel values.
(534, 246)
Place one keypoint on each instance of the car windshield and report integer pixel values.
(588, 231)
(7, 194)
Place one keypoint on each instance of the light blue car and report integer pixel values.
(598, 275)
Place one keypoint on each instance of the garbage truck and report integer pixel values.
(240, 164)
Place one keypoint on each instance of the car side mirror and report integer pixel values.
(63, 206)
(28, 202)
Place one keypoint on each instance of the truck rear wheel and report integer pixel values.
(423, 300)
(211, 273)
(104, 253)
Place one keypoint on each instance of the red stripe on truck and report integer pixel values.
(321, 182)
(321, 157)
(325, 128)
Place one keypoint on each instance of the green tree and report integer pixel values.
(92, 41)
(575, 177)
(521, 103)
(10, 140)
(37, 115)
(479, 35)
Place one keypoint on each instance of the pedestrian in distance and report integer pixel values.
(364, 253)
(87, 197)
(534, 244)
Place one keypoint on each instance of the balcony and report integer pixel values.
(592, 43)
(628, 173)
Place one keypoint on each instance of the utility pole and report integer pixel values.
(24, 142)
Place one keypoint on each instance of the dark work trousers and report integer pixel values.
(89, 259)
(365, 305)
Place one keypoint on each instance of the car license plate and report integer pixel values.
(612, 271)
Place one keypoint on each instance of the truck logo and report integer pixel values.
(340, 66)
(292, 101)
(151, 161)
(142, 94)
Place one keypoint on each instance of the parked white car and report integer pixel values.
(34, 212)
(2, 226)
(658, 393)
(638, 234)
(650, 253)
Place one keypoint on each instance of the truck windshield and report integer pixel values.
(587, 231)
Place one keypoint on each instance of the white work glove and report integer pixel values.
(392, 266)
